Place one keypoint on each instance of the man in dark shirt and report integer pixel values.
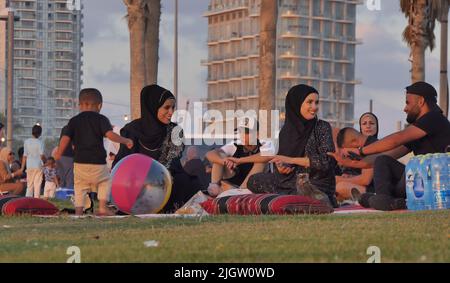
(86, 131)
(429, 132)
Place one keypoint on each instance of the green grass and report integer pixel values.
(402, 237)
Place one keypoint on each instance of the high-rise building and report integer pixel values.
(47, 65)
(315, 45)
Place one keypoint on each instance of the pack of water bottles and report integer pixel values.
(428, 182)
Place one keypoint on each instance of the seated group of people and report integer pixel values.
(341, 164)
(307, 162)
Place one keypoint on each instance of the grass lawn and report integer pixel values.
(401, 237)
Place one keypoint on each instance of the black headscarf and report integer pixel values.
(376, 119)
(296, 131)
(153, 131)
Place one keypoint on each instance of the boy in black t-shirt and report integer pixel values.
(86, 132)
(234, 163)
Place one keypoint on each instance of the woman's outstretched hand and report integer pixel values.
(340, 158)
(282, 163)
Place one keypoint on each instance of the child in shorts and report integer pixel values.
(86, 132)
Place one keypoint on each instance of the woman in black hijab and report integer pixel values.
(368, 125)
(152, 135)
(303, 145)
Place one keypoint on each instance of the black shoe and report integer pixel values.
(399, 204)
(365, 198)
(356, 195)
(387, 203)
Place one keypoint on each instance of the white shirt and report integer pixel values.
(266, 149)
(33, 149)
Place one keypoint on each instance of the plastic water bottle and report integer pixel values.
(439, 176)
(425, 185)
(446, 178)
(447, 161)
(411, 171)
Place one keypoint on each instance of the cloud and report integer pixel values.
(382, 64)
(192, 76)
(381, 61)
(106, 53)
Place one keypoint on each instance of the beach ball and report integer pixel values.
(140, 185)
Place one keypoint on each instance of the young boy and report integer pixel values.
(51, 180)
(234, 163)
(86, 131)
(33, 158)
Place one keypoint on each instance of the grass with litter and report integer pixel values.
(401, 237)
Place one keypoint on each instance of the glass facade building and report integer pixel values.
(47, 65)
(315, 45)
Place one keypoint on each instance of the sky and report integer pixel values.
(381, 61)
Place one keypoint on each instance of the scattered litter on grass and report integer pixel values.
(7, 226)
(151, 244)
(193, 206)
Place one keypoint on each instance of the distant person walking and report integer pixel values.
(33, 158)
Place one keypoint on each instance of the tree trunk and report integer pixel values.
(136, 26)
(419, 43)
(418, 64)
(152, 40)
(267, 58)
(443, 89)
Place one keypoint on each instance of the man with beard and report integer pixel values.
(428, 132)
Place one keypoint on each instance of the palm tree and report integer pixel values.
(443, 89)
(143, 24)
(419, 34)
(152, 39)
(267, 57)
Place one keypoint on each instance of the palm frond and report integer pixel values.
(408, 36)
(405, 7)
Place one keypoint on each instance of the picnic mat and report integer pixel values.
(143, 216)
(354, 208)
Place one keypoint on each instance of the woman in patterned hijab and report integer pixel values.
(152, 135)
